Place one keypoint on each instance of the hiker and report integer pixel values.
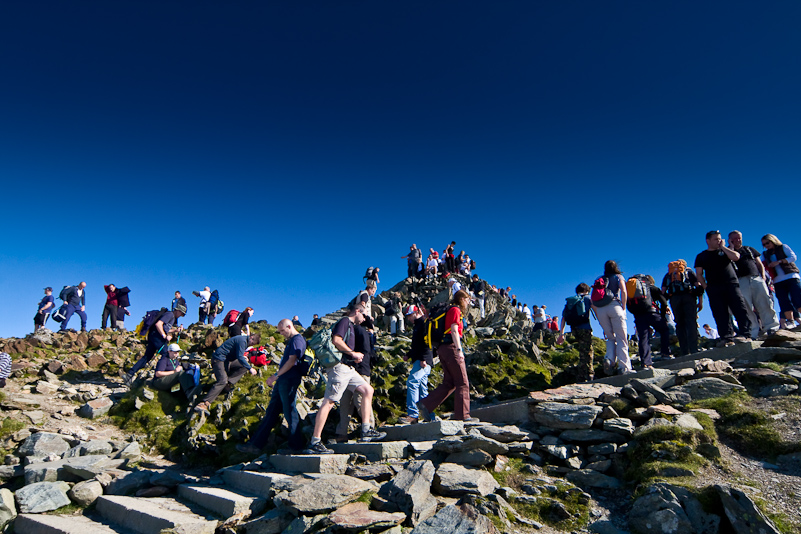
(454, 286)
(5, 368)
(648, 306)
(680, 286)
(751, 276)
(364, 298)
(527, 312)
(296, 321)
(285, 383)
(422, 359)
(710, 332)
(553, 324)
(354, 399)
(158, 336)
(538, 315)
(204, 309)
(479, 290)
(393, 314)
(171, 372)
(576, 313)
(177, 300)
(45, 308)
(343, 376)
(454, 371)
(450, 259)
(110, 308)
(714, 268)
(240, 325)
(467, 265)
(75, 300)
(315, 320)
(432, 265)
(122, 311)
(372, 274)
(780, 261)
(413, 259)
(610, 309)
(229, 364)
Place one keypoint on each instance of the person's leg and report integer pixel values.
(618, 320)
(289, 393)
(321, 418)
(358, 403)
(365, 394)
(446, 387)
(604, 319)
(345, 411)
(155, 344)
(736, 303)
(271, 417)
(201, 315)
(643, 325)
(113, 318)
(165, 383)
(679, 315)
(764, 304)
(660, 324)
(795, 293)
(104, 316)
(583, 339)
(235, 371)
(221, 375)
(747, 290)
(67, 315)
(413, 389)
(461, 398)
(82, 315)
(720, 311)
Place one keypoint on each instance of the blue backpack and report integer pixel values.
(576, 310)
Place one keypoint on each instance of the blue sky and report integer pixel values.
(275, 150)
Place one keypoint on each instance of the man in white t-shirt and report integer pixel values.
(710, 332)
(203, 310)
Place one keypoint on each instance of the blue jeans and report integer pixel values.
(70, 310)
(416, 387)
(282, 401)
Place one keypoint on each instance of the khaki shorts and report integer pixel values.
(342, 377)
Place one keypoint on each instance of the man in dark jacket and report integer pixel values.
(76, 303)
(159, 335)
(46, 307)
(422, 361)
(229, 364)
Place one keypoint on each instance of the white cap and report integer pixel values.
(174, 347)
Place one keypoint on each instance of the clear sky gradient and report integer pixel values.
(275, 150)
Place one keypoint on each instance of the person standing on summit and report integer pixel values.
(205, 305)
(414, 258)
(76, 303)
(46, 307)
(110, 309)
(751, 275)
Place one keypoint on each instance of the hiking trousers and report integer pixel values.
(68, 314)
(155, 344)
(725, 297)
(756, 295)
(454, 380)
(643, 323)
(350, 400)
(226, 372)
(612, 318)
(416, 387)
(109, 312)
(282, 401)
(685, 311)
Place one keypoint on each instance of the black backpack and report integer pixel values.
(576, 311)
(66, 292)
(368, 275)
(150, 318)
(435, 325)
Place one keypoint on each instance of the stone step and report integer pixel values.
(330, 464)
(252, 482)
(223, 502)
(513, 412)
(62, 524)
(622, 380)
(151, 515)
(423, 431)
(723, 353)
(375, 452)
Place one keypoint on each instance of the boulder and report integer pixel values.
(96, 446)
(706, 388)
(128, 483)
(504, 434)
(132, 452)
(96, 408)
(671, 510)
(563, 416)
(410, 491)
(273, 522)
(619, 425)
(86, 492)
(358, 517)
(472, 441)
(453, 480)
(8, 510)
(43, 444)
(592, 435)
(588, 478)
(456, 519)
(745, 517)
(323, 495)
(42, 497)
(474, 458)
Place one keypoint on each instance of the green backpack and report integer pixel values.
(322, 343)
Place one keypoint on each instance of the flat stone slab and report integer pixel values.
(423, 431)
(375, 452)
(643, 374)
(221, 501)
(591, 390)
(323, 495)
(153, 515)
(357, 516)
(254, 482)
(515, 411)
(59, 524)
(334, 464)
(563, 416)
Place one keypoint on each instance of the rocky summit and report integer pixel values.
(706, 443)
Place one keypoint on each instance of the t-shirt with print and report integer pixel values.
(746, 265)
(296, 346)
(718, 268)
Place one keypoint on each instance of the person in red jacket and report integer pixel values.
(553, 326)
(110, 309)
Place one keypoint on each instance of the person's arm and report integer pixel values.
(340, 344)
(760, 267)
(623, 294)
(457, 340)
(48, 305)
(791, 258)
(733, 255)
(240, 349)
(561, 338)
(160, 329)
(699, 273)
(290, 363)
(83, 300)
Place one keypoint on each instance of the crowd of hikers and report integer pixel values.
(739, 283)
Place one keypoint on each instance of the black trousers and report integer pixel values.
(725, 297)
(109, 312)
(685, 311)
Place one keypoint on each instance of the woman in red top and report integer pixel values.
(454, 371)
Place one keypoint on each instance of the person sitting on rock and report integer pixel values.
(343, 376)
(422, 360)
(172, 373)
(393, 314)
(229, 364)
(158, 336)
(5, 368)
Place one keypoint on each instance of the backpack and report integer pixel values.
(472, 265)
(435, 325)
(219, 308)
(639, 298)
(65, 293)
(60, 314)
(679, 281)
(150, 318)
(576, 310)
(257, 356)
(369, 273)
(230, 317)
(322, 344)
(390, 308)
(601, 295)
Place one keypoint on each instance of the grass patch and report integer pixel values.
(9, 426)
(750, 430)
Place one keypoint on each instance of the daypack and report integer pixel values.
(230, 317)
(322, 344)
(638, 290)
(576, 310)
(435, 326)
(257, 355)
(679, 279)
(601, 295)
(219, 308)
(390, 308)
(472, 265)
(369, 273)
(65, 293)
(60, 314)
(150, 318)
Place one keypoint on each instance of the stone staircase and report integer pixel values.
(239, 493)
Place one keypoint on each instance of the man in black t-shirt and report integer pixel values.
(751, 275)
(716, 273)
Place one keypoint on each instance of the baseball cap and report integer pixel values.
(174, 347)
(48, 289)
(411, 309)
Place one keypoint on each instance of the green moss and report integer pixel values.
(367, 497)
(9, 426)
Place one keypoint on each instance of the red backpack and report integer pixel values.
(230, 317)
(257, 356)
(601, 295)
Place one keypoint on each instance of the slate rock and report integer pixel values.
(42, 497)
(619, 425)
(43, 444)
(96, 446)
(95, 408)
(357, 516)
(86, 492)
(706, 388)
(452, 480)
(8, 509)
(472, 441)
(377, 472)
(474, 458)
(128, 483)
(592, 435)
(563, 452)
(587, 478)
(777, 390)
(323, 495)
(410, 491)
(688, 422)
(132, 451)
(745, 517)
(273, 522)
(563, 416)
(504, 434)
(461, 519)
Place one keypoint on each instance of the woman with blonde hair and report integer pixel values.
(454, 370)
(780, 260)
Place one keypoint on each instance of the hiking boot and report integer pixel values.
(407, 420)
(248, 448)
(127, 378)
(425, 415)
(202, 407)
(609, 367)
(372, 435)
(470, 420)
(317, 448)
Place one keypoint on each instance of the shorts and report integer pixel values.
(342, 377)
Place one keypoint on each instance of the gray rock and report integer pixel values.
(96, 446)
(706, 388)
(603, 448)
(358, 517)
(86, 492)
(461, 519)
(132, 452)
(484, 331)
(11, 471)
(86, 467)
(743, 514)
(504, 434)
(8, 510)
(474, 458)
(43, 444)
(777, 390)
(303, 524)
(42, 497)
(592, 435)
(604, 527)
(472, 441)
(601, 466)
(410, 491)
(273, 522)
(167, 478)
(129, 483)
(619, 425)
(644, 386)
(95, 408)
(563, 452)
(452, 480)
(323, 495)
(687, 421)
(587, 478)
(672, 510)
(559, 415)
(44, 387)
